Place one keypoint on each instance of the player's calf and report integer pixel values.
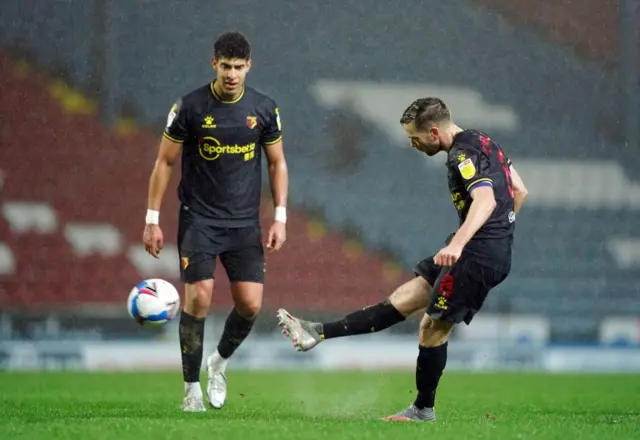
(191, 333)
(248, 301)
(432, 359)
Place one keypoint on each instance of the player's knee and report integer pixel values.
(249, 309)
(198, 298)
(247, 297)
(411, 296)
(434, 333)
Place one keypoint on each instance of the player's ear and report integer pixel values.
(435, 132)
(214, 63)
(248, 65)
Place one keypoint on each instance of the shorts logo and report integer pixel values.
(185, 263)
(211, 149)
(467, 169)
(444, 292)
(208, 122)
(252, 122)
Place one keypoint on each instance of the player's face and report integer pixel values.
(231, 73)
(427, 141)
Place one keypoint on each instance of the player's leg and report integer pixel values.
(196, 271)
(404, 301)
(191, 333)
(459, 295)
(244, 264)
(432, 359)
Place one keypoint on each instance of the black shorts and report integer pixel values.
(459, 291)
(240, 251)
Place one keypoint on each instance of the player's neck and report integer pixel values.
(217, 88)
(450, 133)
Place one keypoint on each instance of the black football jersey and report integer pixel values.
(475, 160)
(221, 153)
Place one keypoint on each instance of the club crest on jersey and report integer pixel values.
(467, 169)
(462, 157)
(252, 122)
(208, 122)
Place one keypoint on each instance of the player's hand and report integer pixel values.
(448, 256)
(277, 236)
(153, 239)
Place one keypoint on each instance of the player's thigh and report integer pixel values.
(198, 247)
(243, 257)
(460, 291)
(197, 297)
(411, 296)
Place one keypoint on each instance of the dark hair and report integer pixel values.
(232, 45)
(425, 112)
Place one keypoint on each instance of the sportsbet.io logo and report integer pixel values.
(211, 149)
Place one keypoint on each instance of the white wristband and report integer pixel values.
(153, 217)
(281, 214)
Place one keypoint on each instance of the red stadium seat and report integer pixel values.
(88, 174)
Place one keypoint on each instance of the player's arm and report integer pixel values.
(168, 153)
(473, 168)
(482, 205)
(278, 173)
(170, 146)
(519, 190)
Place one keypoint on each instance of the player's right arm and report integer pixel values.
(519, 190)
(170, 147)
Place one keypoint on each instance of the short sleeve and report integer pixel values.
(176, 129)
(272, 131)
(473, 167)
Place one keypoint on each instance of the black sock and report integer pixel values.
(368, 320)
(236, 330)
(191, 337)
(429, 368)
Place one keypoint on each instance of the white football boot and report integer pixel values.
(303, 333)
(217, 381)
(192, 401)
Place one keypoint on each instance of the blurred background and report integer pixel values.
(85, 87)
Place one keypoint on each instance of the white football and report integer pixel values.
(153, 302)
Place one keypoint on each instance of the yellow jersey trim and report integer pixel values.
(275, 141)
(178, 141)
(219, 98)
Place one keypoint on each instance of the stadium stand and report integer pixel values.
(591, 28)
(573, 261)
(72, 193)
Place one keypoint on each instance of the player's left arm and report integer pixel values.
(278, 173)
(474, 169)
(278, 176)
(482, 205)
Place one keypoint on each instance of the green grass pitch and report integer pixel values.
(314, 405)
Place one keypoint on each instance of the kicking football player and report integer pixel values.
(487, 193)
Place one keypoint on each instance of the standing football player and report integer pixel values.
(221, 130)
(487, 194)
